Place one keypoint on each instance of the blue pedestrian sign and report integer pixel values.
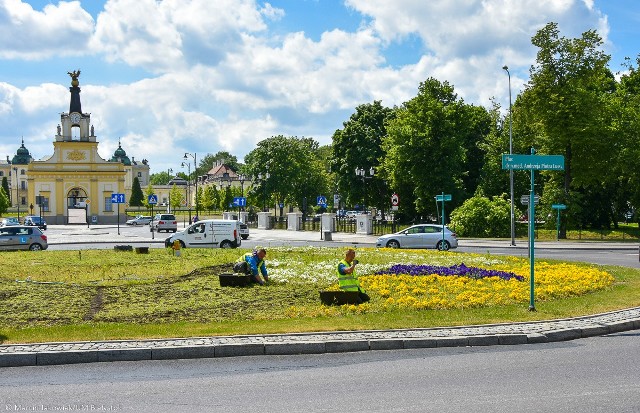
(117, 198)
(152, 199)
(322, 201)
(239, 201)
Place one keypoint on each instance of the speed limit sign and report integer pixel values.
(395, 200)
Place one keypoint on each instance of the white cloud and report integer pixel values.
(223, 80)
(28, 34)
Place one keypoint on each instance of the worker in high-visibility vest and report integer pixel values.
(348, 278)
(252, 264)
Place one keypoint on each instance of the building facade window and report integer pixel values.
(108, 206)
(23, 172)
(23, 185)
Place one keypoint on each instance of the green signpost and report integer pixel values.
(558, 207)
(442, 198)
(533, 163)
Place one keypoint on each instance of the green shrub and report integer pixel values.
(482, 217)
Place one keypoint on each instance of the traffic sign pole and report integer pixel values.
(532, 163)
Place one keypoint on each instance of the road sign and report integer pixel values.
(239, 201)
(152, 199)
(321, 201)
(117, 198)
(87, 201)
(336, 200)
(524, 199)
(559, 206)
(535, 162)
(183, 202)
(443, 197)
(395, 200)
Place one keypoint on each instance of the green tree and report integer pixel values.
(4, 201)
(359, 145)
(160, 178)
(137, 197)
(148, 192)
(427, 148)
(175, 197)
(567, 100)
(211, 197)
(5, 186)
(626, 103)
(294, 167)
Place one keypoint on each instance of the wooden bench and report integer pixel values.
(123, 248)
(142, 250)
(234, 280)
(339, 297)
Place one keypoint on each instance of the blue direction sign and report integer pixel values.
(535, 162)
(559, 206)
(322, 201)
(117, 198)
(239, 201)
(152, 199)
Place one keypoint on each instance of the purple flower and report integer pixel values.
(455, 270)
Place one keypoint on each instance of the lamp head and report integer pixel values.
(505, 67)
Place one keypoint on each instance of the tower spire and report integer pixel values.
(75, 105)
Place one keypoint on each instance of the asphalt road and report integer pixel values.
(106, 237)
(588, 375)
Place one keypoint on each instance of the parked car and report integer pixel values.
(244, 230)
(21, 237)
(9, 222)
(139, 220)
(208, 233)
(164, 222)
(35, 221)
(420, 236)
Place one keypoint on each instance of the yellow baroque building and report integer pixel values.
(75, 184)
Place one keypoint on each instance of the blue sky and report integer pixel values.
(174, 76)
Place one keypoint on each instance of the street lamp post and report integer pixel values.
(15, 172)
(360, 172)
(195, 170)
(188, 165)
(513, 224)
(169, 172)
(242, 178)
(264, 178)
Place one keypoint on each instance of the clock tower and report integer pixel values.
(76, 126)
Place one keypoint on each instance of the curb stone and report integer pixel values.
(44, 354)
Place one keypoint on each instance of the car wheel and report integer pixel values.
(135, 224)
(35, 247)
(182, 244)
(226, 244)
(443, 246)
(244, 236)
(393, 244)
(173, 230)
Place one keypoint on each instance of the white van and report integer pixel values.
(208, 233)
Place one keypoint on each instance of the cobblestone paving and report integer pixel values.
(514, 333)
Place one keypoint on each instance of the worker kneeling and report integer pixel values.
(252, 264)
(347, 277)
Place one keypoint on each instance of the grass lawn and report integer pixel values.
(103, 294)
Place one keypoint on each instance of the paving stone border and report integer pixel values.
(43, 354)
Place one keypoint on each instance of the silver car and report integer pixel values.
(164, 222)
(22, 238)
(9, 222)
(420, 236)
(139, 220)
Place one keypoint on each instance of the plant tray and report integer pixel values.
(339, 297)
(234, 280)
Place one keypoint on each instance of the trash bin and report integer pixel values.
(327, 235)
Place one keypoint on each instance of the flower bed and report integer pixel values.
(459, 286)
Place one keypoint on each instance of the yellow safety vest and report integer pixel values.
(347, 282)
